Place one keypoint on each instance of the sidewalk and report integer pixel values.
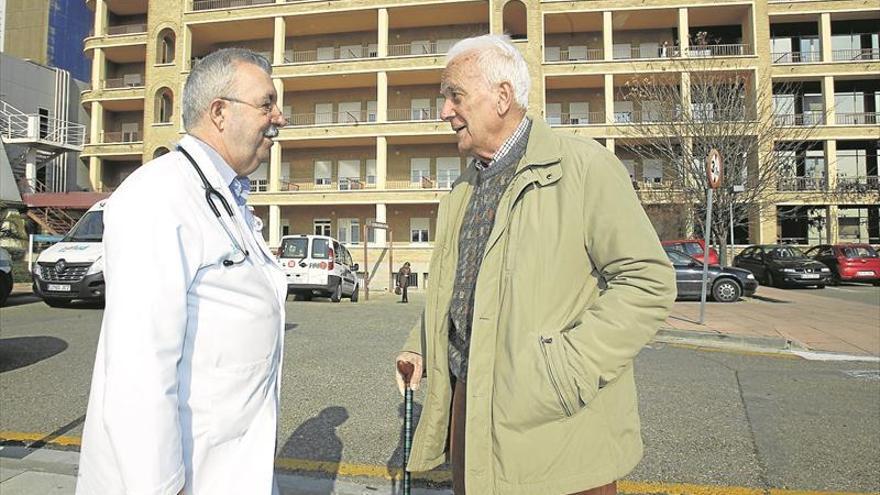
(808, 320)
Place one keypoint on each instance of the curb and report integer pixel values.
(743, 343)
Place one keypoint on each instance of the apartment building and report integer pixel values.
(358, 81)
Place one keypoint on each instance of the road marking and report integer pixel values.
(349, 469)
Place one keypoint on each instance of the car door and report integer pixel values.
(688, 274)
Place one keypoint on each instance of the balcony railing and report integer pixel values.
(796, 57)
(445, 181)
(802, 184)
(854, 54)
(651, 51)
(16, 125)
(226, 4)
(652, 183)
(799, 119)
(121, 137)
(645, 117)
(728, 50)
(576, 118)
(127, 29)
(307, 119)
(346, 53)
(567, 55)
(864, 118)
(327, 184)
(259, 185)
(127, 81)
(420, 49)
(858, 184)
(412, 114)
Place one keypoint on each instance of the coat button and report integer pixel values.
(549, 176)
(548, 340)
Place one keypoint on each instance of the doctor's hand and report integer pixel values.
(408, 370)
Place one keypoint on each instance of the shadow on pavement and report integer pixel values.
(18, 352)
(21, 299)
(395, 462)
(316, 440)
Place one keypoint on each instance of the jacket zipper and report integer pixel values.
(545, 343)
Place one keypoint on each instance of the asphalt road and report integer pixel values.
(709, 418)
(862, 293)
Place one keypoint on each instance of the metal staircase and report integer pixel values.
(53, 220)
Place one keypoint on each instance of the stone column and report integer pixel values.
(279, 42)
(100, 17)
(828, 100)
(683, 31)
(831, 164)
(274, 226)
(381, 217)
(825, 36)
(607, 36)
(383, 33)
(609, 98)
(96, 173)
(96, 123)
(382, 96)
(832, 224)
(381, 162)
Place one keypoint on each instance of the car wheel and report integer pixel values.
(336, 296)
(354, 295)
(820, 286)
(726, 291)
(57, 303)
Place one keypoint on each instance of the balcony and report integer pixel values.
(725, 50)
(198, 5)
(343, 117)
(572, 54)
(116, 137)
(855, 54)
(799, 119)
(126, 29)
(126, 81)
(417, 49)
(864, 118)
(444, 181)
(646, 117)
(330, 54)
(810, 57)
(859, 184)
(325, 184)
(413, 114)
(794, 184)
(562, 119)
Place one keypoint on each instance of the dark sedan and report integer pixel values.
(725, 284)
(781, 265)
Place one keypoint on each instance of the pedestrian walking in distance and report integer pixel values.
(403, 281)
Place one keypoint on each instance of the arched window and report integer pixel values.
(164, 106)
(161, 150)
(516, 19)
(165, 47)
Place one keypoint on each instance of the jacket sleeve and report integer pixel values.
(416, 340)
(640, 283)
(148, 270)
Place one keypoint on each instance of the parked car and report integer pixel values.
(318, 265)
(724, 284)
(73, 268)
(693, 248)
(849, 262)
(5, 275)
(781, 265)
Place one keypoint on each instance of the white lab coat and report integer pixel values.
(185, 390)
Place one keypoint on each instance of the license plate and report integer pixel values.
(59, 288)
(811, 275)
(865, 274)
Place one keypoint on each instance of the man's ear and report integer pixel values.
(505, 98)
(217, 114)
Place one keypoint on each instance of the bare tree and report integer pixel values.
(728, 110)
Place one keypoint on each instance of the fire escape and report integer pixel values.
(42, 138)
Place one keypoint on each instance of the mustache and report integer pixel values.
(271, 132)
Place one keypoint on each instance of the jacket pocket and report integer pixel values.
(556, 365)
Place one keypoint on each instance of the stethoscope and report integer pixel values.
(210, 194)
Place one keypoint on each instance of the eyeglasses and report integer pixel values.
(266, 108)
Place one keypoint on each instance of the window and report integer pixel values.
(348, 230)
(321, 248)
(623, 112)
(851, 163)
(577, 52)
(351, 51)
(165, 51)
(780, 49)
(44, 122)
(651, 111)
(131, 132)
(349, 175)
(321, 226)
(515, 17)
(630, 167)
(164, 106)
(551, 54)
(161, 150)
(554, 113)
(652, 170)
(443, 45)
(420, 169)
(371, 111)
(371, 172)
(421, 109)
(349, 112)
(622, 51)
(325, 53)
(579, 112)
(323, 172)
(421, 47)
(323, 113)
(448, 170)
(418, 230)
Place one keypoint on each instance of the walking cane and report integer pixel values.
(406, 370)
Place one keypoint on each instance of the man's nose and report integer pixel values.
(446, 112)
(278, 117)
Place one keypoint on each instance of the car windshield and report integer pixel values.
(859, 252)
(786, 252)
(89, 228)
(294, 248)
(678, 258)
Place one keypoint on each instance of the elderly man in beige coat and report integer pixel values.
(547, 278)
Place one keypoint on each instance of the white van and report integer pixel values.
(318, 265)
(73, 268)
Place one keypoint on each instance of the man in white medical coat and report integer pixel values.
(184, 396)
